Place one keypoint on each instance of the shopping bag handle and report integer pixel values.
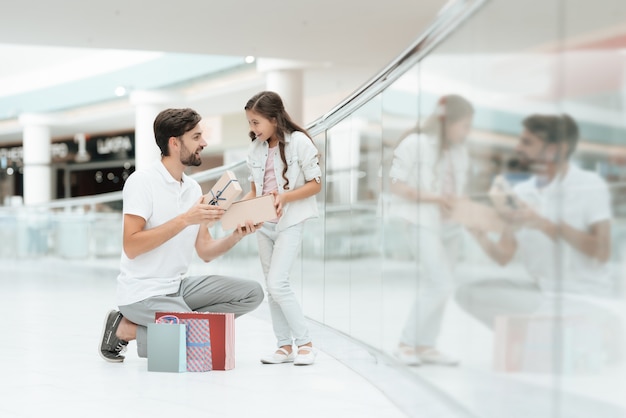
(168, 319)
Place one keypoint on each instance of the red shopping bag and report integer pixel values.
(222, 335)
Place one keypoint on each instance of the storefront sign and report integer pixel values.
(99, 148)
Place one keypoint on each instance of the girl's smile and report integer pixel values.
(262, 128)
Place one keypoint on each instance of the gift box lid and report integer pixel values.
(225, 191)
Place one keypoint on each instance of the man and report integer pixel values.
(165, 218)
(558, 225)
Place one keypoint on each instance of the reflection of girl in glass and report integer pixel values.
(428, 172)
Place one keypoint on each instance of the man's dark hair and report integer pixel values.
(554, 129)
(173, 122)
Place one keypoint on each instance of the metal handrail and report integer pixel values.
(451, 16)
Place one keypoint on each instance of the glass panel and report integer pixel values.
(72, 232)
(313, 283)
(342, 159)
(589, 339)
(537, 306)
(364, 257)
(400, 263)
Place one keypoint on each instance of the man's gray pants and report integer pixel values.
(196, 294)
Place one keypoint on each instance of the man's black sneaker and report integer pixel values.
(111, 347)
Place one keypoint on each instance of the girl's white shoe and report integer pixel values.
(407, 355)
(279, 356)
(433, 356)
(306, 358)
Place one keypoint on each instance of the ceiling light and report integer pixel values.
(249, 59)
(120, 91)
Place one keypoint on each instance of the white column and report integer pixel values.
(37, 157)
(285, 78)
(147, 104)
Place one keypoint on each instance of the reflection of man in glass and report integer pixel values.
(557, 225)
(428, 172)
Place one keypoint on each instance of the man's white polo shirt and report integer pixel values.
(579, 199)
(157, 197)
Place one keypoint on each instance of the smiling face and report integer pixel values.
(191, 144)
(264, 129)
(534, 151)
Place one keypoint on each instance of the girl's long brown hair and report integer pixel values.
(269, 105)
(450, 109)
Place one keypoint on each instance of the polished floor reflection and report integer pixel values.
(477, 384)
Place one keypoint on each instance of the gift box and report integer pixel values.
(197, 342)
(167, 351)
(225, 191)
(222, 335)
(257, 209)
(475, 215)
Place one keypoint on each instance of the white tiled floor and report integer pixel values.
(53, 311)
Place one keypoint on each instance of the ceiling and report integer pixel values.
(54, 51)
(46, 45)
(318, 31)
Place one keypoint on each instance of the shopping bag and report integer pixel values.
(167, 351)
(198, 339)
(542, 343)
(222, 335)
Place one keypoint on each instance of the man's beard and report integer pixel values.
(191, 159)
(534, 165)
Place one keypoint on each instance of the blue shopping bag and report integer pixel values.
(167, 350)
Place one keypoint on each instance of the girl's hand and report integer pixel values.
(278, 202)
(446, 204)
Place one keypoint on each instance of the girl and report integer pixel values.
(283, 161)
(428, 172)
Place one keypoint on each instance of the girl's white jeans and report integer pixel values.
(278, 251)
(436, 251)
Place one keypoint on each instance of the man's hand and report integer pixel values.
(525, 216)
(203, 213)
(247, 229)
(528, 218)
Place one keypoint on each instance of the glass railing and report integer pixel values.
(80, 227)
(538, 334)
(542, 334)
